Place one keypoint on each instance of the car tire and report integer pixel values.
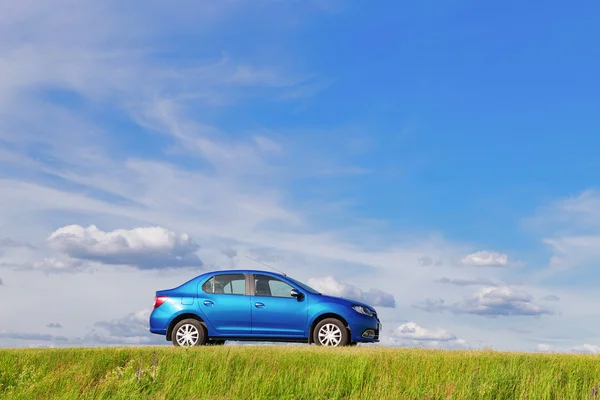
(331, 332)
(188, 333)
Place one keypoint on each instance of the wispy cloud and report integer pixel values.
(571, 229)
(4, 334)
(468, 282)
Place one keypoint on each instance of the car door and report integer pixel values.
(224, 301)
(274, 311)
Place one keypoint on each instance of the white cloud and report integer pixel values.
(146, 248)
(486, 259)
(54, 325)
(491, 302)
(331, 286)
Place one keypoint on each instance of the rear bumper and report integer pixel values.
(159, 320)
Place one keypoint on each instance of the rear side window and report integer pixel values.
(226, 284)
(208, 286)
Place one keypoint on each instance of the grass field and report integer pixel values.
(292, 372)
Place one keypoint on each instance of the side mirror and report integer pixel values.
(296, 294)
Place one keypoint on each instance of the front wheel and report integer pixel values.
(330, 332)
(187, 333)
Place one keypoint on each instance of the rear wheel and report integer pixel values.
(188, 332)
(330, 332)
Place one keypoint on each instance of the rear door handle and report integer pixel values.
(208, 303)
(259, 305)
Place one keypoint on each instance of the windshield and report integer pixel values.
(303, 286)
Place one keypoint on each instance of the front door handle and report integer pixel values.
(259, 305)
(208, 303)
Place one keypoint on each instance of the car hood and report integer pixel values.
(343, 300)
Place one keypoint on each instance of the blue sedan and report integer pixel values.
(259, 306)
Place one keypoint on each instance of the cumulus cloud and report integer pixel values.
(131, 329)
(331, 286)
(54, 325)
(145, 248)
(585, 348)
(491, 302)
(486, 259)
(411, 334)
(468, 282)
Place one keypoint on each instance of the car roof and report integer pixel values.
(241, 271)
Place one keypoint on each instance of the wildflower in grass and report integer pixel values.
(154, 363)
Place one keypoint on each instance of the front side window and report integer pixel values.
(226, 284)
(265, 285)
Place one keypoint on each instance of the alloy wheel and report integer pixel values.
(330, 335)
(187, 335)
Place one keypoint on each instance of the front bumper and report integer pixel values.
(365, 330)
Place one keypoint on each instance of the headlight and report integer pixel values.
(363, 310)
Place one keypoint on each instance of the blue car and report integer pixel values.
(259, 306)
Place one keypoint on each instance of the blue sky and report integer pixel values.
(439, 154)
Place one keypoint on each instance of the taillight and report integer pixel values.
(158, 300)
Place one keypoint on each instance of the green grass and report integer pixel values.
(292, 372)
